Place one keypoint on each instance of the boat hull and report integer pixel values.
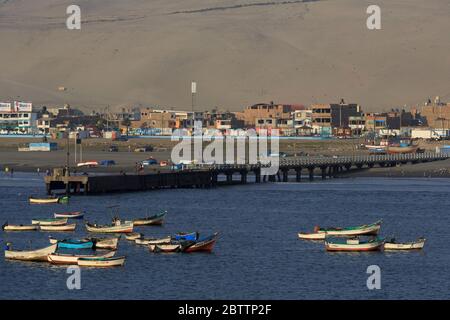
(312, 236)
(108, 243)
(123, 228)
(371, 229)
(369, 246)
(404, 246)
(73, 215)
(65, 228)
(50, 222)
(145, 242)
(20, 228)
(67, 244)
(43, 201)
(73, 259)
(166, 248)
(396, 150)
(35, 255)
(101, 263)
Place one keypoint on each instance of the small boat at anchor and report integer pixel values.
(155, 220)
(49, 200)
(106, 243)
(101, 262)
(50, 222)
(367, 229)
(63, 258)
(123, 227)
(315, 235)
(353, 244)
(392, 244)
(204, 244)
(166, 248)
(19, 227)
(182, 236)
(73, 243)
(69, 215)
(133, 236)
(63, 228)
(148, 241)
(31, 255)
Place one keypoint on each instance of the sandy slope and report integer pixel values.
(239, 51)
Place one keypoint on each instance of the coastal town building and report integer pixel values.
(17, 118)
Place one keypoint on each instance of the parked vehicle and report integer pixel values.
(113, 148)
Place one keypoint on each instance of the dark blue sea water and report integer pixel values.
(258, 255)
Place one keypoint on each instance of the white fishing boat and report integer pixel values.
(414, 245)
(312, 235)
(121, 227)
(101, 262)
(20, 227)
(62, 258)
(106, 243)
(64, 228)
(32, 255)
(147, 241)
(69, 215)
(367, 229)
(50, 222)
(133, 236)
(353, 244)
(175, 247)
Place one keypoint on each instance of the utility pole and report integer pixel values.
(193, 93)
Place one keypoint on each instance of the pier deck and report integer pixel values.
(206, 176)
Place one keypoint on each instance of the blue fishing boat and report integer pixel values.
(193, 236)
(73, 243)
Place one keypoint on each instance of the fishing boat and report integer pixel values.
(315, 235)
(123, 227)
(133, 236)
(33, 255)
(63, 228)
(20, 227)
(69, 215)
(50, 222)
(63, 258)
(106, 243)
(401, 149)
(392, 244)
(73, 243)
(148, 241)
(156, 219)
(49, 200)
(101, 262)
(367, 229)
(205, 244)
(170, 247)
(182, 236)
(353, 244)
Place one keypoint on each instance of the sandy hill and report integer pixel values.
(239, 51)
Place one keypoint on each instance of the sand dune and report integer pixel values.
(239, 51)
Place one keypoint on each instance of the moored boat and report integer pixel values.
(182, 236)
(367, 229)
(123, 227)
(31, 255)
(401, 149)
(133, 236)
(170, 247)
(19, 227)
(392, 244)
(106, 243)
(156, 219)
(73, 243)
(204, 244)
(353, 244)
(101, 262)
(312, 235)
(69, 215)
(148, 241)
(64, 258)
(50, 222)
(63, 228)
(49, 200)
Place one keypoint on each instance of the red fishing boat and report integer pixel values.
(205, 244)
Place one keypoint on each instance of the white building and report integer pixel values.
(18, 118)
